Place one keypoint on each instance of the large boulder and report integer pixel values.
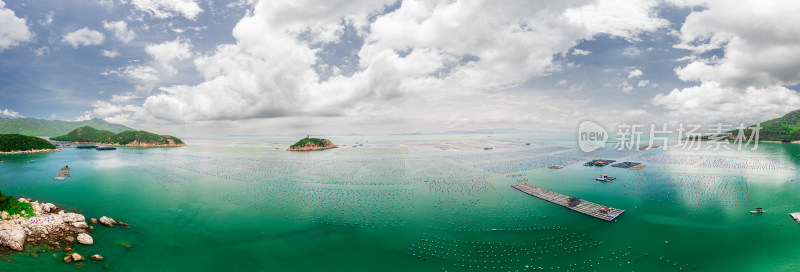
(13, 238)
(80, 225)
(107, 221)
(73, 217)
(76, 257)
(3, 215)
(48, 207)
(85, 239)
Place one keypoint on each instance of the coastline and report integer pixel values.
(132, 144)
(779, 142)
(30, 151)
(312, 148)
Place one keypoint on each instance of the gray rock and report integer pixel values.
(49, 207)
(13, 238)
(80, 225)
(107, 221)
(85, 239)
(76, 257)
(97, 257)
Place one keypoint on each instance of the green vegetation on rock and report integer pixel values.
(12, 206)
(312, 142)
(50, 128)
(16, 142)
(92, 135)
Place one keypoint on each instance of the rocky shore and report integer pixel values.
(311, 147)
(30, 151)
(51, 226)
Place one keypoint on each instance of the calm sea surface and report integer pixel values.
(417, 203)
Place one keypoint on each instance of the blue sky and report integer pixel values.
(216, 68)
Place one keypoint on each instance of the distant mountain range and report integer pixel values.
(51, 128)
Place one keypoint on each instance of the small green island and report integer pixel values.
(139, 138)
(17, 144)
(309, 144)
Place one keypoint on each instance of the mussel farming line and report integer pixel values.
(572, 203)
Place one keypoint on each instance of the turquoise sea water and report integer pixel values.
(416, 203)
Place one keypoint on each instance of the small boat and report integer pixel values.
(757, 211)
(32, 161)
(105, 148)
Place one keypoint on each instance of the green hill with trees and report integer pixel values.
(127, 138)
(16, 142)
(50, 128)
(783, 129)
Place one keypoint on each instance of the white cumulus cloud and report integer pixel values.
(121, 31)
(760, 46)
(165, 54)
(635, 73)
(10, 113)
(580, 52)
(449, 49)
(14, 30)
(713, 102)
(110, 53)
(83, 37)
(759, 60)
(168, 8)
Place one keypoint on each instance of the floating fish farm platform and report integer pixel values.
(573, 203)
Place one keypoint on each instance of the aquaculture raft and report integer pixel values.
(579, 205)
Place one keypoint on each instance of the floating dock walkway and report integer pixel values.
(572, 203)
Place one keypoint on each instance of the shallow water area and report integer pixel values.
(416, 203)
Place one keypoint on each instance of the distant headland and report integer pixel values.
(18, 144)
(126, 138)
(309, 144)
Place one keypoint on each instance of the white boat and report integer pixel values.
(757, 211)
